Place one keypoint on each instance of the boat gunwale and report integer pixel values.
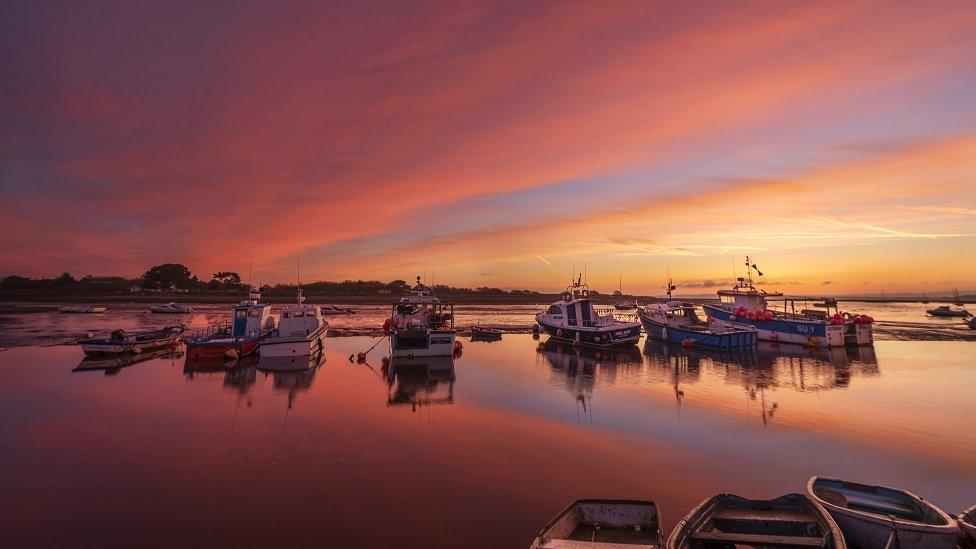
(887, 520)
(541, 538)
(822, 513)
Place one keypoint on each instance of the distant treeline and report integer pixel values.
(177, 278)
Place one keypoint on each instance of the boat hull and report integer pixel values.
(416, 343)
(221, 348)
(967, 522)
(294, 346)
(128, 347)
(802, 332)
(604, 336)
(865, 529)
(732, 340)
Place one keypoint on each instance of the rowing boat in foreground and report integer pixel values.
(121, 342)
(603, 524)
(727, 520)
(967, 522)
(878, 516)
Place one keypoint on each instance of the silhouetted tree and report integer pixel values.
(225, 280)
(169, 275)
(64, 279)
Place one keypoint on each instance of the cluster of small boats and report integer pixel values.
(832, 514)
(740, 319)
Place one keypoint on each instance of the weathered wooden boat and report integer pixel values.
(967, 523)
(878, 516)
(111, 364)
(87, 310)
(251, 323)
(301, 331)
(171, 309)
(946, 311)
(677, 322)
(121, 342)
(574, 319)
(421, 325)
(727, 520)
(603, 524)
(744, 304)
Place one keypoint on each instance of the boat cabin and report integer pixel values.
(299, 320)
(744, 294)
(579, 312)
(250, 317)
(421, 308)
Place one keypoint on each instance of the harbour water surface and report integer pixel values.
(479, 452)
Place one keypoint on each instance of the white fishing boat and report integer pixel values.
(878, 516)
(603, 524)
(421, 325)
(85, 310)
(576, 320)
(745, 305)
(171, 309)
(121, 342)
(301, 331)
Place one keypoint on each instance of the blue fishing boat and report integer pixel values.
(745, 305)
(574, 319)
(677, 322)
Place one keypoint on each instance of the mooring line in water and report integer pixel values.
(362, 355)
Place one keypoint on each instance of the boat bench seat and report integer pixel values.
(791, 515)
(868, 504)
(759, 539)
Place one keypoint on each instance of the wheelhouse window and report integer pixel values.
(727, 299)
(240, 313)
(555, 310)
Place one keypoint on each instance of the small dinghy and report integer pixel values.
(967, 522)
(877, 516)
(171, 309)
(946, 311)
(603, 523)
(332, 310)
(120, 342)
(727, 520)
(82, 310)
(484, 333)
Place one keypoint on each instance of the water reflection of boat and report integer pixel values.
(111, 364)
(288, 363)
(727, 520)
(420, 381)
(878, 516)
(292, 375)
(240, 374)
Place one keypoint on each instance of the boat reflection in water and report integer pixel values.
(579, 368)
(113, 364)
(238, 375)
(419, 381)
(291, 374)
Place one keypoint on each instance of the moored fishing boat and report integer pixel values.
(626, 305)
(677, 322)
(121, 342)
(745, 305)
(878, 516)
(727, 520)
(251, 323)
(88, 310)
(300, 331)
(421, 325)
(576, 320)
(171, 309)
(603, 523)
(948, 312)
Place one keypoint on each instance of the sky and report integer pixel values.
(500, 144)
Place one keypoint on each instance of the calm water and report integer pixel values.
(479, 452)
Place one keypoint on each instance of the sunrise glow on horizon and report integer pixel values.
(497, 144)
